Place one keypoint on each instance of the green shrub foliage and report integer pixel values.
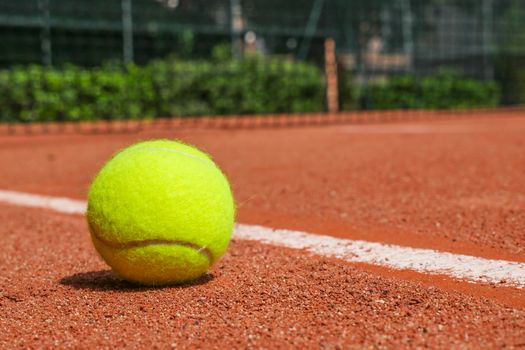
(163, 88)
(440, 91)
(178, 88)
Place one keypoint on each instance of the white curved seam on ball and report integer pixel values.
(145, 243)
(207, 161)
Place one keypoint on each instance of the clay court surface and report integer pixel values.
(454, 186)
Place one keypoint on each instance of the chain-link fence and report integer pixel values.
(81, 60)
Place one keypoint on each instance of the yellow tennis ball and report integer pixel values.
(160, 212)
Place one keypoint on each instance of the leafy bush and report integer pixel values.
(441, 91)
(510, 73)
(175, 87)
(349, 92)
(162, 88)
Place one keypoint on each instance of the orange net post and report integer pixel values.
(332, 90)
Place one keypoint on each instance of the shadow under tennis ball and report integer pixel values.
(106, 280)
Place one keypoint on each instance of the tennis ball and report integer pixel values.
(160, 212)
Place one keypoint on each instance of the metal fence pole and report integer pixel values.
(236, 27)
(488, 26)
(45, 34)
(408, 35)
(127, 31)
(310, 29)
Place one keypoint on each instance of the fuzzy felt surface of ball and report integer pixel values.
(160, 212)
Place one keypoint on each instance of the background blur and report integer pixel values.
(83, 60)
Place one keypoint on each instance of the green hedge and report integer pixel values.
(441, 91)
(162, 88)
(510, 73)
(175, 87)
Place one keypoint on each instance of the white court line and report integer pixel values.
(470, 268)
